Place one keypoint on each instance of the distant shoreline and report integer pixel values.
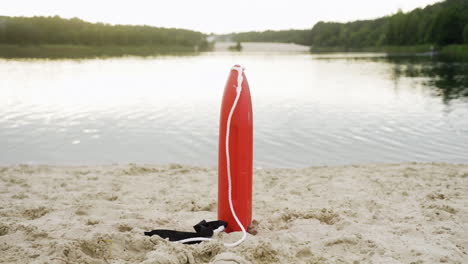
(12, 51)
(460, 51)
(85, 51)
(389, 49)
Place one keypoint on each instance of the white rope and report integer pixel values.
(240, 79)
(228, 159)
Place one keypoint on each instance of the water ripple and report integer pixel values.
(317, 112)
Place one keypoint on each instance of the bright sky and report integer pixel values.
(218, 16)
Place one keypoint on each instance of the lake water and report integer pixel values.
(308, 109)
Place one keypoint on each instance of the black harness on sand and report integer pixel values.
(202, 229)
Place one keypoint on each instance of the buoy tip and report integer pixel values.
(237, 67)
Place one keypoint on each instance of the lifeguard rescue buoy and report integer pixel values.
(234, 167)
(235, 153)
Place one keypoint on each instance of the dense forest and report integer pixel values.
(59, 31)
(439, 24)
(443, 25)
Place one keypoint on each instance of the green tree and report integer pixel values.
(56, 30)
(465, 33)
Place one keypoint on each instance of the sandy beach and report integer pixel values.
(396, 213)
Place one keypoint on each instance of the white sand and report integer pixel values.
(403, 213)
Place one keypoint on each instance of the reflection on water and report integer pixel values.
(449, 79)
(308, 109)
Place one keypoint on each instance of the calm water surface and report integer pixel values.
(308, 109)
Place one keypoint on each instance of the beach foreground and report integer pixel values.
(398, 213)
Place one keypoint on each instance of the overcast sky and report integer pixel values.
(216, 16)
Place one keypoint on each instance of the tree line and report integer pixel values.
(439, 24)
(297, 36)
(55, 30)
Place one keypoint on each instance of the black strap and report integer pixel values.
(203, 229)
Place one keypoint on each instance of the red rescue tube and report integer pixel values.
(240, 152)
